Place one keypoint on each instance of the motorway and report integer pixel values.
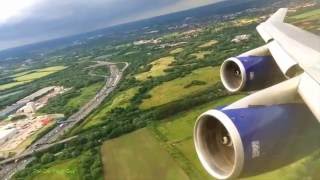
(10, 166)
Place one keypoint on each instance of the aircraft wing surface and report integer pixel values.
(294, 48)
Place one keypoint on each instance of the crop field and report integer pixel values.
(120, 100)
(29, 76)
(141, 155)
(208, 44)
(176, 89)
(138, 156)
(308, 20)
(201, 54)
(309, 15)
(176, 51)
(157, 69)
(66, 170)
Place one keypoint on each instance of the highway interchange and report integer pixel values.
(12, 165)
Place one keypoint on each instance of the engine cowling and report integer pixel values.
(248, 141)
(253, 70)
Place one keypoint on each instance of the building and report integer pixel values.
(29, 108)
(241, 38)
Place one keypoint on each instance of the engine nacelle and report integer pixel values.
(253, 70)
(246, 141)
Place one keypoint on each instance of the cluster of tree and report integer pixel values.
(6, 80)
(58, 104)
(88, 158)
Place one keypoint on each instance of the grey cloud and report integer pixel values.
(52, 19)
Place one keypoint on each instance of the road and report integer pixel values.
(10, 166)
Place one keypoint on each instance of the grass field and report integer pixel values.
(86, 94)
(176, 51)
(66, 170)
(157, 69)
(201, 54)
(308, 20)
(139, 156)
(208, 44)
(175, 89)
(120, 100)
(29, 76)
(309, 15)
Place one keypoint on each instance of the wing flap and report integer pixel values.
(286, 63)
(309, 90)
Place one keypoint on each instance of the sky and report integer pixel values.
(29, 21)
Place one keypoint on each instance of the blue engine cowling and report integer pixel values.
(247, 141)
(249, 73)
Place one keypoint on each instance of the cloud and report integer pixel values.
(49, 19)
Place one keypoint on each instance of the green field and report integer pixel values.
(66, 170)
(157, 69)
(208, 44)
(139, 156)
(176, 51)
(142, 155)
(175, 89)
(85, 95)
(120, 100)
(201, 54)
(29, 76)
(309, 15)
(308, 20)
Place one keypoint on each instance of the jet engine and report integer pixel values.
(253, 70)
(255, 134)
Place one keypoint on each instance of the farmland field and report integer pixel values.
(176, 89)
(176, 51)
(308, 20)
(66, 170)
(138, 156)
(29, 76)
(208, 44)
(157, 69)
(200, 55)
(307, 15)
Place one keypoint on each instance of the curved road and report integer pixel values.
(10, 166)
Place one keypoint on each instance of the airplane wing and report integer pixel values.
(243, 138)
(292, 47)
